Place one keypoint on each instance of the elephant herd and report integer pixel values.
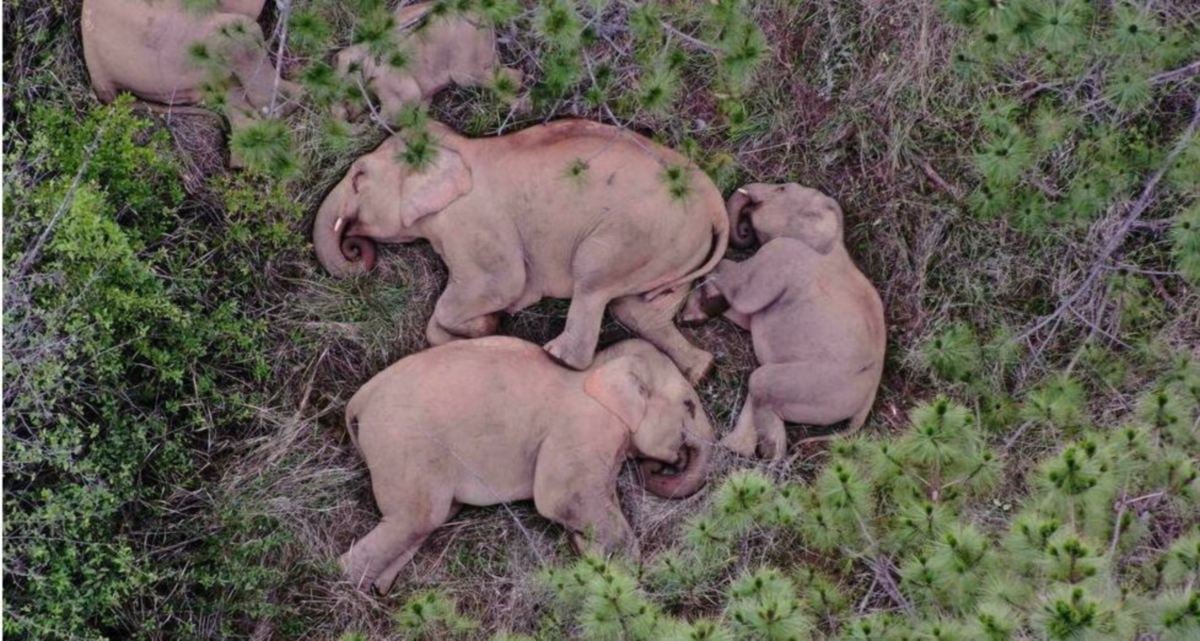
(569, 209)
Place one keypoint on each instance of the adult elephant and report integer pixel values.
(494, 420)
(571, 209)
(148, 49)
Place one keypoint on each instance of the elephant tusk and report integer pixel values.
(742, 191)
(337, 225)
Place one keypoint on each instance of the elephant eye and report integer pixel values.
(358, 176)
(691, 407)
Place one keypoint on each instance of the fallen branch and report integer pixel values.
(1114, 243)
(883, 573)
(690, 39)
(936, 178)
(1181, 73)
(284, 9)
(31, 256)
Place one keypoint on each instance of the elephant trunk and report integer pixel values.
(741, 232)
(697, 450)
(342, 255)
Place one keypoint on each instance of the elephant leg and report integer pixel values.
(654, 321)
(744, 437)
(469, 307)
(387, 577)
(241, 115)
(395, 95)
(251, 65)
(598, 527)
(377, 558)
(759, 426)
(799, 392)
(578, 491)
(575, 347)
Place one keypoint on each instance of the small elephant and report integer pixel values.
(438, 51)
(143, 48)
(816, 321)
(571, 209)
(495, 420)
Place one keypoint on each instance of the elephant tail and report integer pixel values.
(720, 225)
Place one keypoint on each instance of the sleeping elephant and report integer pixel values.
(495, 420)
(571, 209)
(816, 321)
(437, 50)
(144, 47)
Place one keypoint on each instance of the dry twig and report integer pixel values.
(1117, 239)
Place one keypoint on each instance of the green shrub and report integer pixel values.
(129, 346)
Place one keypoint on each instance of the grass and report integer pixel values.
(866, 101)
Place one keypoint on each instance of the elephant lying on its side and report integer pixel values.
(570, 209)
(437, 53)
(143, 48)
(495, 420)
(816, 321)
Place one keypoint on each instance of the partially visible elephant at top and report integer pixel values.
(494, 420)
(438, 51)
(142, 47)
(571, 209)
(816, 321)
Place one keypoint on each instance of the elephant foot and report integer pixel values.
(355, 571)
(437, 335)
(693, 312)
(236, 161)
(773, 446)
(741, 442)
(288, 99)
(697, 366)
(569, 352)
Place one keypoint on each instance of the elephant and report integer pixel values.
(495, 420)
(815, 320)
(438, 51)
(144, 48)
(570, 209)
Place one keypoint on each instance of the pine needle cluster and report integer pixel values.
(1060, 154)
(905, 511)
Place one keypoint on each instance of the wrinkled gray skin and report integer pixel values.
(445, 51)
(495, 420)
(142, 47)
(514, 226)
(816, 322)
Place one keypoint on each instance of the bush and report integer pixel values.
(130, 348)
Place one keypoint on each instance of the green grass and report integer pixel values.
(1020, 181)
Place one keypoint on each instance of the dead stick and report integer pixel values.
(1118, 238)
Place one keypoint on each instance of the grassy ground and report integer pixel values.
(860, 99)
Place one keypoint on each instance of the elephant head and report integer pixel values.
(383, 198)
(767, 212)
(668, 426)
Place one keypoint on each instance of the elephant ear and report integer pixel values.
(819, 224)
(431, 189)
(620, 385)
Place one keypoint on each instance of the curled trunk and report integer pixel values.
(342, 255)
(684, 482)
